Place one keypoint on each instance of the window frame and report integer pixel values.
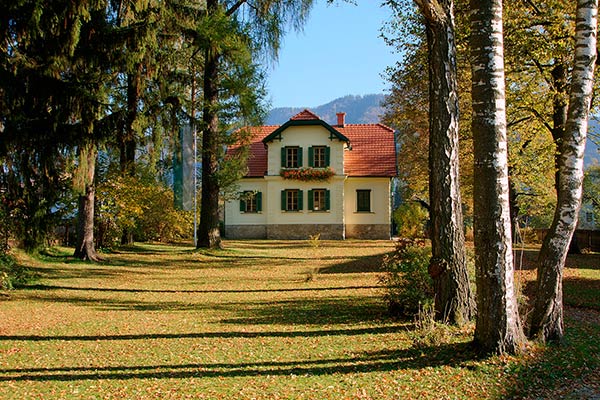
(289, 203)
(319, 157)
(250, 202)
(360, 201)
(291, 157)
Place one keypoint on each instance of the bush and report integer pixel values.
(12, 274)
(411, 219)
(409, 287)
(127, 204)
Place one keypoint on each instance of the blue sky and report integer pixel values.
(339, 52)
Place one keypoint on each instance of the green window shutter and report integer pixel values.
(311, 157)
(311, 200)
(327, 156)
(242, 205)
(259, 201)
(283, 156)
(299, 157)
(300, 198)
(283, 200)
(327, 199)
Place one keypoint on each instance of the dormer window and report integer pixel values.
(291, 157)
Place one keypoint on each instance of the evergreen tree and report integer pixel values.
(232, 29)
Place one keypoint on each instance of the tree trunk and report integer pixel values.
(498, 327)
(547, 316)
(208, 228)
(85, 248)
(448, 268)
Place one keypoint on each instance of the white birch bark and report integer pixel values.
(547, 317)
(498, 327)
(448, 268)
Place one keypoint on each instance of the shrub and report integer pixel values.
(128, 204)
(409, 287)
(13, 274)
(411, 219)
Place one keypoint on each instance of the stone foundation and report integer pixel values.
(368, 231)
(303, 231)
(245, 231)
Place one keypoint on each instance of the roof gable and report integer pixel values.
(306, 118)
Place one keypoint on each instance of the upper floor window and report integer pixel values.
(318, 156)
(363, 200)
(251, 202)
(291, 157)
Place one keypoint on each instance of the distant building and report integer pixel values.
(307, 177)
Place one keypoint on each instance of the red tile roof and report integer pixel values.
(373, 148)
(304, 116)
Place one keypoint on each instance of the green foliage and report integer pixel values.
(145, 209)
(591, 189)
(12, 274)
(411, 219)
(409, 287)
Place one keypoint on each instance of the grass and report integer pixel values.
(167, 322)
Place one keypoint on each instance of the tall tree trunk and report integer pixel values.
(498, 328)
(547, 316)
(448, 268)
(85, 248)
(128, 141)
(208, 228)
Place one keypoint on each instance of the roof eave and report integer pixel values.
(276, 134)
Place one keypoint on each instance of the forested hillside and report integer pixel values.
(359, 110)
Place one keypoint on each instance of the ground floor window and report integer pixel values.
(291, 200)
(318, 200)
(363, 200)
(251, 202)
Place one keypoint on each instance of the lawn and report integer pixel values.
(263, 320)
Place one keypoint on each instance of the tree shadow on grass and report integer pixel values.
(377, 330)
(322, 311)
(365, 264)
(389, 360)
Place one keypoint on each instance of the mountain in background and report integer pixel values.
(359, 110)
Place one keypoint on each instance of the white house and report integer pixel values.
(306, 177)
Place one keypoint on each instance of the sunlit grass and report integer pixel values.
(158, 321)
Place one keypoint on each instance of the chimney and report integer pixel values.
(341, 118)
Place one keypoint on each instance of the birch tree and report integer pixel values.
(498, 328)
(547, 317)
(448, 269)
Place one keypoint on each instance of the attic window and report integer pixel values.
(291, 157)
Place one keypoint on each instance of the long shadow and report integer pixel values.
(198, 291)
(364, 264)
(323, 311)
(380, 330)
(450, 355)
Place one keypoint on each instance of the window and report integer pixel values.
(291, 200)
(363, 201)
(251, 202)
(318, 156)
(291, 157)
(318, 200)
